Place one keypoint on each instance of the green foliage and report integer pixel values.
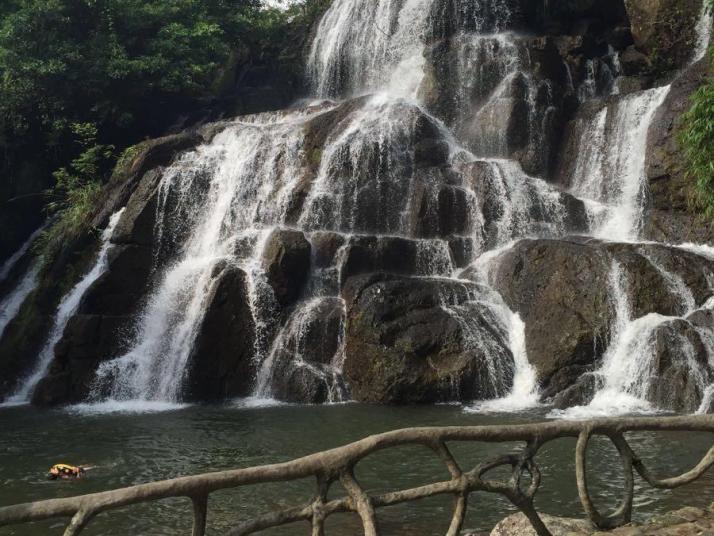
(697, 138)
(103, 61)
(79, 78)
(77, 189)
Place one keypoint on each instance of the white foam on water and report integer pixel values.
(610, 404)
(123, 407)
(65, 310)
(257, 402)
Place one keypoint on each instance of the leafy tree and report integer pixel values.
(81, 77)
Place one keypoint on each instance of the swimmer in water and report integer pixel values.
(65, 472)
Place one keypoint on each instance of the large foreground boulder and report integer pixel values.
(422, 340)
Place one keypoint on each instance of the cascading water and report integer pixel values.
(10, 263)
(67, 307)
(610, 172)
(388, 172)
(242, 184)
(630, 368)
(610, 169)
(245, 194)
(11, 304)
(13, 300)
(365, 46)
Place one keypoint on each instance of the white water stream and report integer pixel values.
(10, 306)
(65, 310)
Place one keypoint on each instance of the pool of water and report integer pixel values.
(135, 447)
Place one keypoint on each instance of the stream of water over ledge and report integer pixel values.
(130, 448)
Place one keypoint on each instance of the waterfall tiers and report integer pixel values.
(460, 215)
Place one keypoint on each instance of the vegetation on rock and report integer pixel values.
(697, 138)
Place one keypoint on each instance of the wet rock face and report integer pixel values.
(560, 289)
(99, 329)
(221, 364)
(670, 218)
(420, 340)
(286, 259)
(311, 344)
(680, 367)
(510, 106)
(665, 27)
(565, 293)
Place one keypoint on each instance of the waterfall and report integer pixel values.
(610, 169)
(247, 177)
(703, 32)
(629, 370)
(65, 310)
(228, 195)
(367, 45)
(390, 166)
(10, 263)
(10, 305)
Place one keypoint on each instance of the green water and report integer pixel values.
(134, 448)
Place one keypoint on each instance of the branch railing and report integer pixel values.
(337, 465)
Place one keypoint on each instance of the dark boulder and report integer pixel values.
(367, 254)
(560, 289)
(680, 371)
(306, 360)
(580, 393)
(221, 363)
(634, 62)
(286, 260)
(564, 291)
(665, 28)
(422, 340)
(325, 247)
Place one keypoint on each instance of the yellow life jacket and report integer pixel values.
(63, 469)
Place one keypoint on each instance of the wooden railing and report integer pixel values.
(338, 464)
